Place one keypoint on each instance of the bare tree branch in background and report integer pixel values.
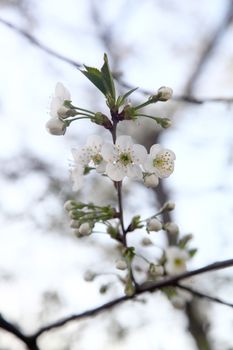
(188, 98)
(195, 325)
(31, 340)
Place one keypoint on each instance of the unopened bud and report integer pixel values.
(165, 123)
(171, 228)
(121, 265)
(63, 112)
(146, 241)
(169, 205)
(129, 288)
(85, 229)
(101, 119)
(74, 224)
(164, 93)
(154, 225)
(56, 126)
(156, 270)
(151, 180)
(69, 205)
(89, 276)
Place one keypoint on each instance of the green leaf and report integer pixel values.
(95, 76)
(107, 78)
(192, 252)
(129, 93)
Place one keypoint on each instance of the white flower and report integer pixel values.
(164, 93)
(160, 161)
(175, 260)
(90, 154)
(55, 126)
(124, 158)
(154, 225)
(57, 108)
(151, 180)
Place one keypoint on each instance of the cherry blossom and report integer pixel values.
(175, 260)
(123, 158)
(160, 161)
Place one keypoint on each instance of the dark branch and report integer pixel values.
(182, 98)
(30, 341)
(170, 281)
(41, 46)
(203, 295)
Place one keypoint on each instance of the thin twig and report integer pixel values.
(203, 295)
(166, 282)
(181, 98)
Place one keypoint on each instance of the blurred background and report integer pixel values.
(186, 45)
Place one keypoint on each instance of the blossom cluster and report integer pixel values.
(124, 158)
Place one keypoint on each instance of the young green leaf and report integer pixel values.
(95, 76)
(107, 78)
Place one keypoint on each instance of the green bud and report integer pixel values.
(165, 123)
(129, 288)
(101, 119)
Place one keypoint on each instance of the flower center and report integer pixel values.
(179, 262)
(163, 162)
(125, 158)
(97, 159)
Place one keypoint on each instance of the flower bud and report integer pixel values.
(74, 224)
(146, 241)
(89, 276)
(169, 205)
(164, 93)
(151, 180)
(121, 265)
(129, 288)
(85, 229)
(156, 270)
(165, 123)
(63, 112)
(171, 228)
(55, 126)
(101, 119)
(154, 225)
(69, 205)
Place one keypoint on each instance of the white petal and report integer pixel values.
(124, 142)
(148, 165)
(62, 92)
(154, 150)
(55, 104)
(81, 156)
(139, 154)
(170, 154)
(134, 171)
(77, 178)
(101, 167)
(108, 152)
(115, 172)
(94, 141)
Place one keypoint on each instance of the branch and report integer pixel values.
(30, 341)
(203, 296)
(171, 281)
(182, 98)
